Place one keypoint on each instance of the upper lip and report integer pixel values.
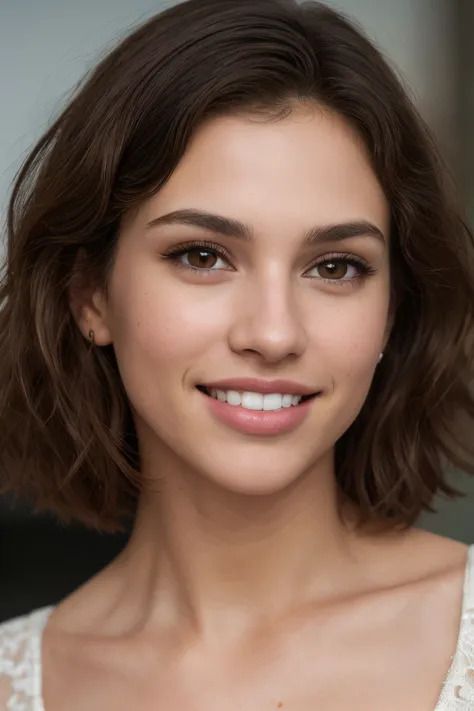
(256, 385)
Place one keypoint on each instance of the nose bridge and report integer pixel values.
(271, 322)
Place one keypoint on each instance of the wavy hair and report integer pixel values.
(67, 440)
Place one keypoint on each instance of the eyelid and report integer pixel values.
(173, 254)
(339, 256)
(365, 269)
(184, 247)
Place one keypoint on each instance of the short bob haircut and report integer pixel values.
(67, 439)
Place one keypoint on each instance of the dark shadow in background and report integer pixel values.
(42, 561)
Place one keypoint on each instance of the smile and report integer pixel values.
(268, 402)
(255, 413)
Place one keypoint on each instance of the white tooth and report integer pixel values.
(252, 401)
(213, 392)
(295, 399)
(286, 401)
(221, 395)
(233, 397)
(272, 401)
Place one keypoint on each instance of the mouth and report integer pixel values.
(254, 401)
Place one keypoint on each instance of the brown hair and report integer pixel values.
(66, 434)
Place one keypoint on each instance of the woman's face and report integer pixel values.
(264, 257)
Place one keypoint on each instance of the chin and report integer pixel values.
(252, 475)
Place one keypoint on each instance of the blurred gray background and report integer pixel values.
(45, 48)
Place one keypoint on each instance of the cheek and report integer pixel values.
(347, 343)
(350, 336)
(161, 326)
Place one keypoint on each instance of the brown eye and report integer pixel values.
(201, 258)
(342, 271)
(333, 270)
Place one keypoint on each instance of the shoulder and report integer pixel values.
(459, 684)
(20, 647)
(442, 573)
(466, 634)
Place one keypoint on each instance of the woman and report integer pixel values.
(238, 305)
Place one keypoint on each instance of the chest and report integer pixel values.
(387, 671)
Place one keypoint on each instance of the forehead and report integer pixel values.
(307, 168)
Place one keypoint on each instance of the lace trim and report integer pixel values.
(458, 688)
(20, 660)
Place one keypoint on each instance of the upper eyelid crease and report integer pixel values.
(228, 227)
(197, 244)
(185, 247)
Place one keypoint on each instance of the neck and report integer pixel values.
(214, 557)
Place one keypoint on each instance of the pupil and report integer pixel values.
(201, 258)
(335, 269)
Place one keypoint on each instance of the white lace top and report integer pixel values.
(20, 658)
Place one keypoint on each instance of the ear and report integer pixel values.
(89, 306)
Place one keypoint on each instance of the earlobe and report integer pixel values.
(89, 310)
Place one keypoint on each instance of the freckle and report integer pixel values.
(280, 704)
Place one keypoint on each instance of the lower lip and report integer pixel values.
(259, 422)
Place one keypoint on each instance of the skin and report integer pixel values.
(242, 587)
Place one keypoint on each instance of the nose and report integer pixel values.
(268, 322)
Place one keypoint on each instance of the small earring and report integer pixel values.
(380, 358)
(91, 339)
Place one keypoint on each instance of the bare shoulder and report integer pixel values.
(429, 569)
(433, 554)
(417, 559)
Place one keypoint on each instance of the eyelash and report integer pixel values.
(360, 264)
(176, 252)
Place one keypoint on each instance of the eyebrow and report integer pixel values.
(228, 227)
